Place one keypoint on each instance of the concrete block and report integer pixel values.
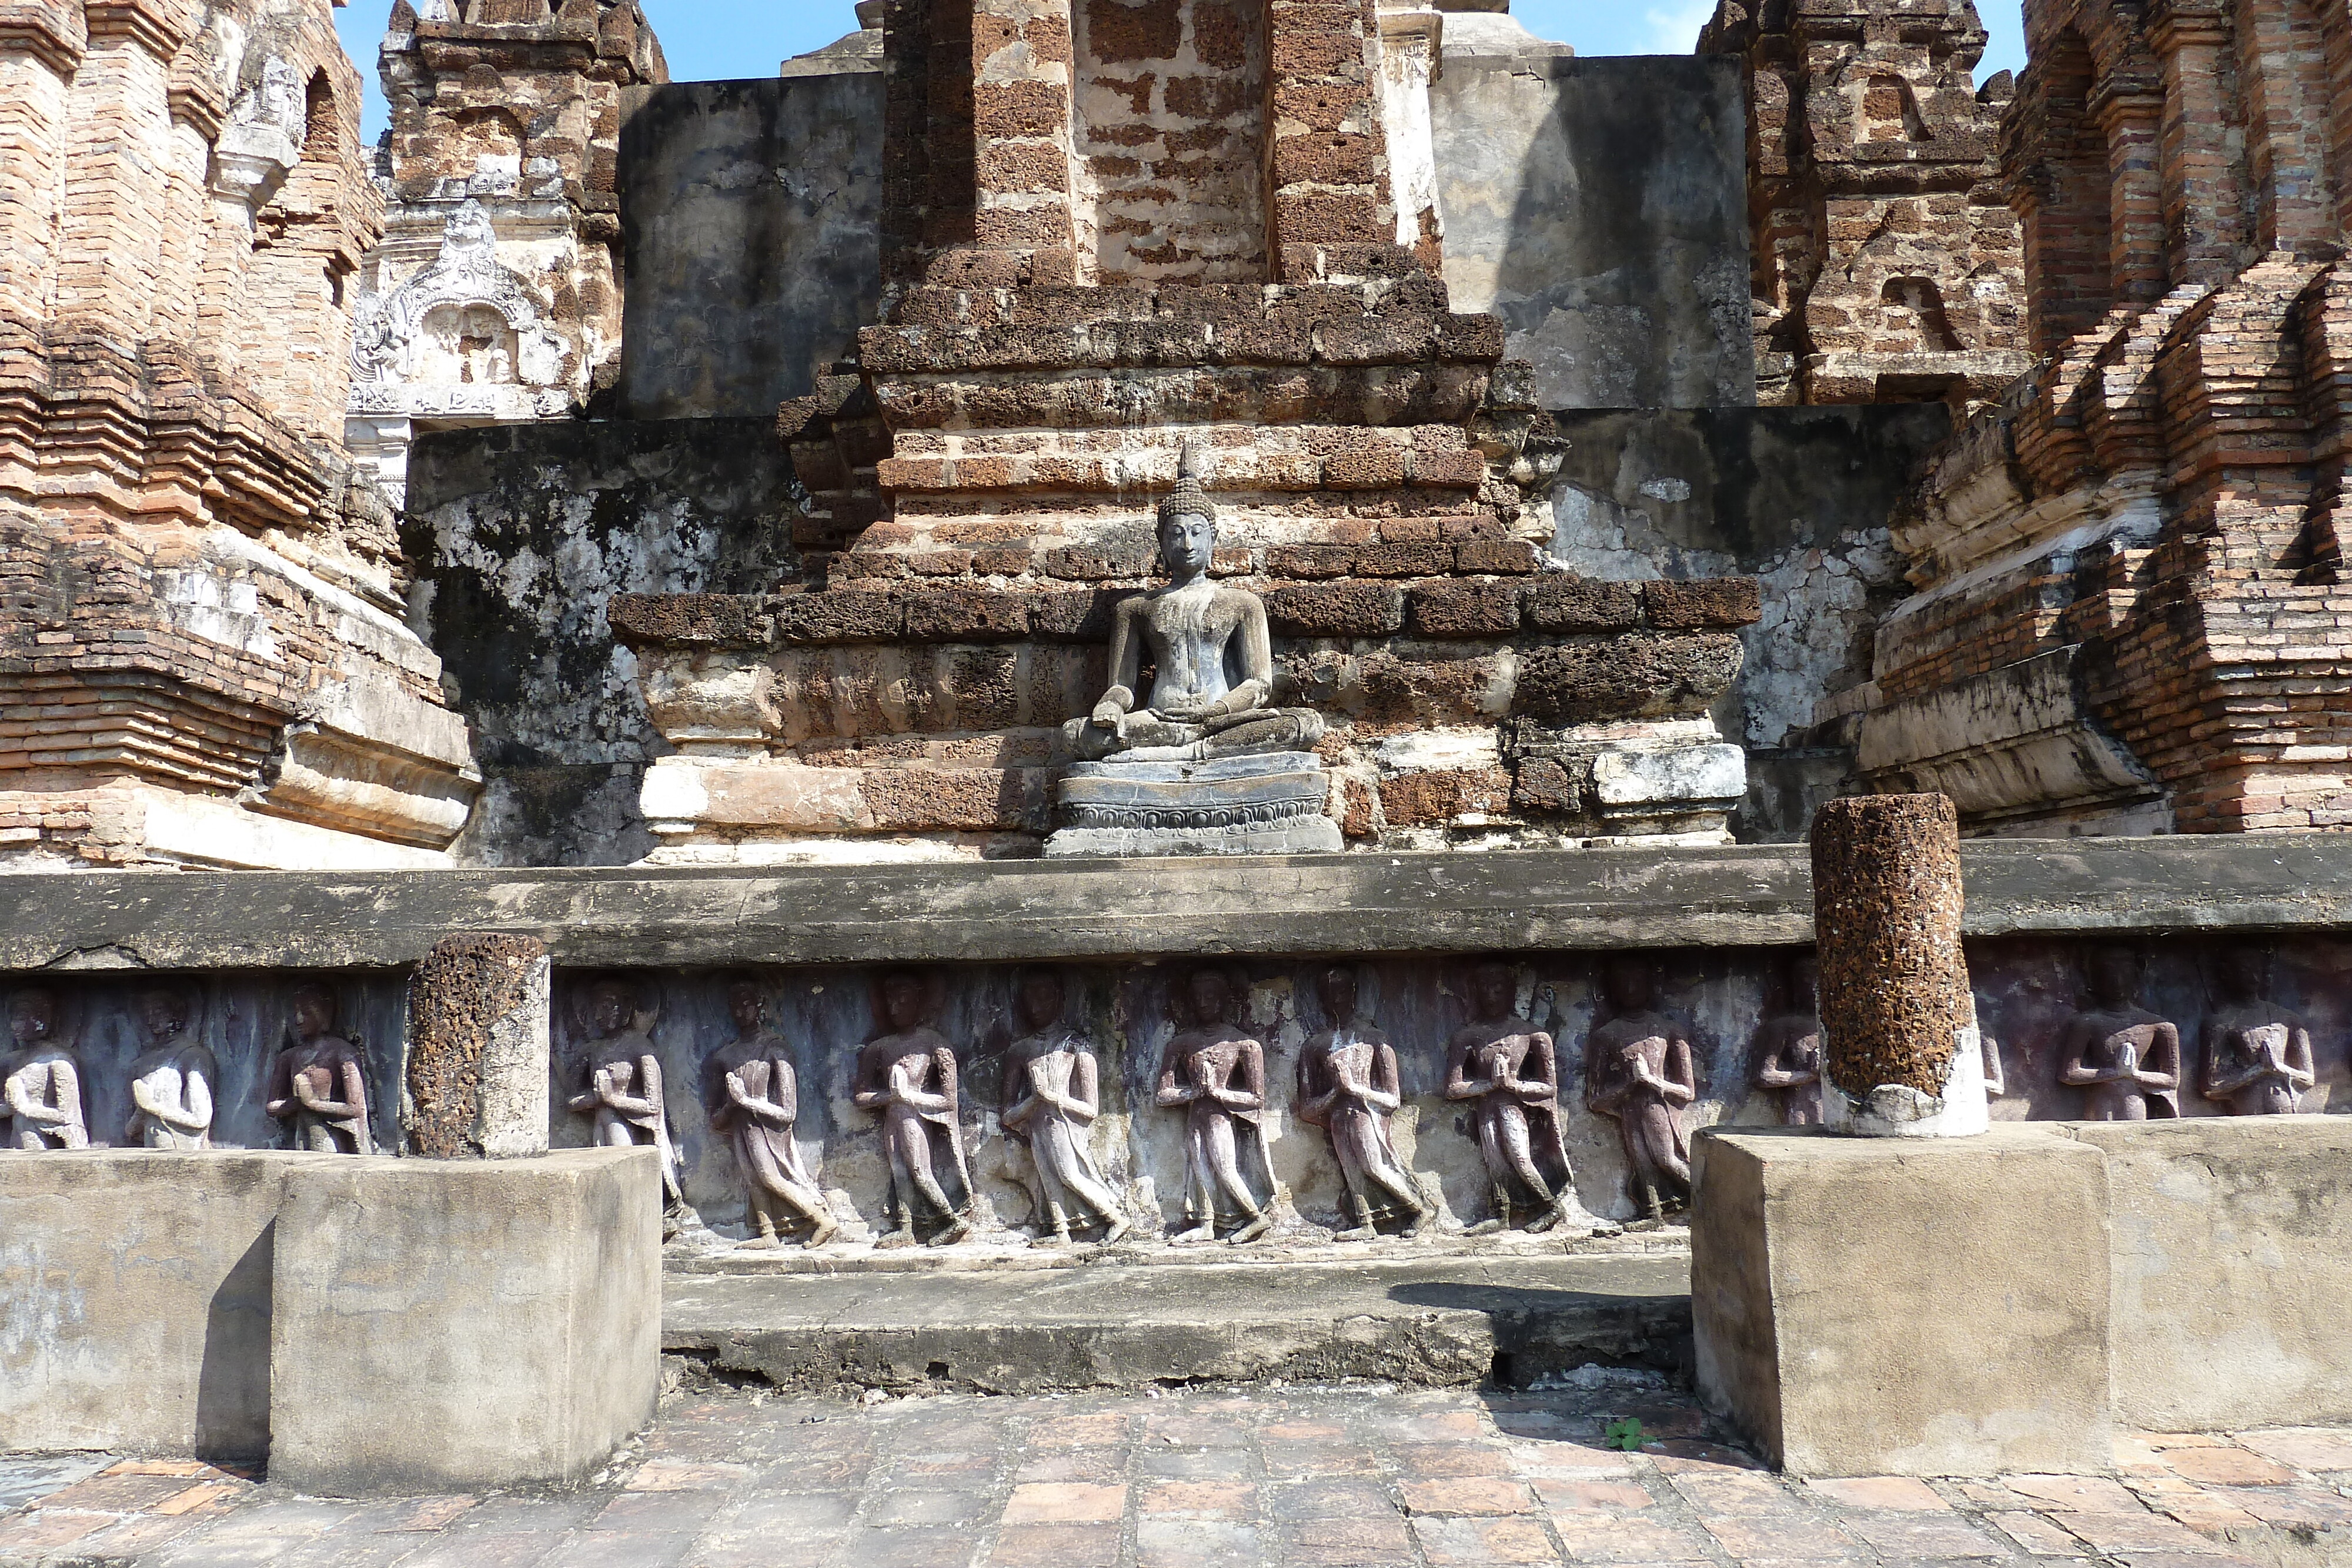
(135, 1299)
(449, 1325)
(2233, 1270)
(1891, 1307)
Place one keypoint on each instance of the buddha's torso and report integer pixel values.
(1189, 630)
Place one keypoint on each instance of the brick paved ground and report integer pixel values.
(1204, 1480)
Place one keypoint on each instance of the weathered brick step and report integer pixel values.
(1432, 1323)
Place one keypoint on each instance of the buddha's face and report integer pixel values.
(1494, 989)
(1209, 994)
(902, 1002)
(1041, 999)
(2245, 974)
(162, 1013)
(314, 1014)
(609, 1009)
(1187, 541)
(32, 1017)
(1632, 987)
(2114, 975)
(743, 1007)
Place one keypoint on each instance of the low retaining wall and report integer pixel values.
(2001, 1303)
(366, 1323)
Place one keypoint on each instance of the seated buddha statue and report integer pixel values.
(1212, 656)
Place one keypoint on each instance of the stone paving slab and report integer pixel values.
(1448, 1322)
(1353, 1477)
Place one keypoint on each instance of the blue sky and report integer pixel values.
(709, 40)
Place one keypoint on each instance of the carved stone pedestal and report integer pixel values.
(1273, 804)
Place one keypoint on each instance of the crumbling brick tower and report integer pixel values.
(202, 654)
(1114, 228)
(2130, 612)
(1887, 263)
(495, 296)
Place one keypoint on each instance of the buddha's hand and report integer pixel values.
(1108, 715)
(1186, 707)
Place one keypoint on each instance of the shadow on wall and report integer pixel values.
(752, 216)
(1600, 208)
(232, 1403)
(520, 535)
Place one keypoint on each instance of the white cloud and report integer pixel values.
(1674, 26)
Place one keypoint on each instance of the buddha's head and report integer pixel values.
(164, 1014)
(314, 1011)
(32, 1016)
(1042, 999)
(2113, 974)
(1188, 521)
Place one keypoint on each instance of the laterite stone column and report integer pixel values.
(1902, 1057)
(479, 1043)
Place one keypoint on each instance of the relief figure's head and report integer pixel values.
(32, 1016)
(313, 1009)
(164, 1014)
(1042, 999)
(2245, 973)
(745, 1005)
(905, 1002)
(1337, 986)
(1494, 990)
(1805, 982)
(1633, 984)
(1211, 995)
(2115, 977)
(611, 1007)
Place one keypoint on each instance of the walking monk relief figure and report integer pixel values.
(2125, 1056)
(172, 1082)
(1215, 1074)
(1789, 1048)
(1510, 1071)
(318, 1084)
(1053, 1086)
(42, 1078)
(624, 1092)
(753, 1101)
(1638, 1069)
(1350, 1087)
(907, 1078)
(2257, 1054)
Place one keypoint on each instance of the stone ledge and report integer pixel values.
(1371, 904)
(1425, 1324)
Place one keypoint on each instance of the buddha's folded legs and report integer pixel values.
(1149, 738)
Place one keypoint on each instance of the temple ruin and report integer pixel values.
(1130, 636)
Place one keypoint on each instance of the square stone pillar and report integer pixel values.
(1895, 1307)
(444, 1326)
(135, 1296)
